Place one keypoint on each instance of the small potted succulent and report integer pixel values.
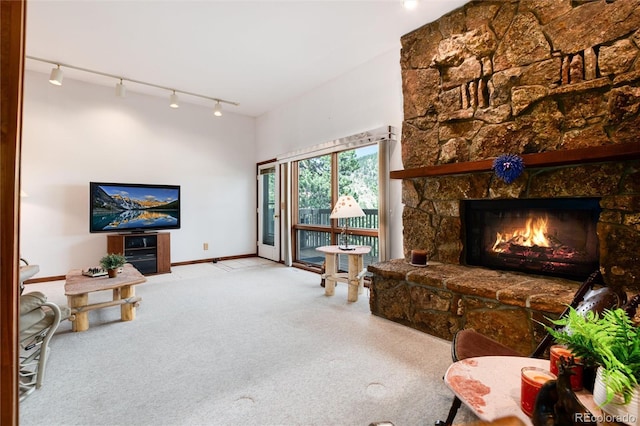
(111, 262)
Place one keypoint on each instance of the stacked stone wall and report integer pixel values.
(522, 77)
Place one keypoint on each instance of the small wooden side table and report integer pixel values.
(490, 386)
(78, 287)
(354, 277)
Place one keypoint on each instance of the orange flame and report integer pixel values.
(533, 234)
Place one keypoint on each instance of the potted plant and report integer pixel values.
(610, 341)
(111, 262)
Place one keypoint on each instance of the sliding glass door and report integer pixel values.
(318, 182)
(312, 225)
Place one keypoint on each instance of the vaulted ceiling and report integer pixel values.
(260, 54)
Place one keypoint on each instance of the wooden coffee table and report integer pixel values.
(78, 287)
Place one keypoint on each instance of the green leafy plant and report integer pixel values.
(610, 341)
(113, 261)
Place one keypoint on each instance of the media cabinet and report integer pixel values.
(149, 252)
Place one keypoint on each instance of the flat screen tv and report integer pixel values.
(133, 207)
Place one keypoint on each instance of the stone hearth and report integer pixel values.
(441, 299)
(526, 77)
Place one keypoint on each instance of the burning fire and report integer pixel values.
(533, 234)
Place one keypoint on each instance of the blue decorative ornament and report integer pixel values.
(508, 167)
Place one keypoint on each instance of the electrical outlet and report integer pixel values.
(205, 246)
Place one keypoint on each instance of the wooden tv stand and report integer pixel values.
(149, 252)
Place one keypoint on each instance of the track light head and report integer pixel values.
(173, 100)
(217, 109)
(56, 76)
(121, 90)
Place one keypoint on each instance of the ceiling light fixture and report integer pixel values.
(410, 4)
(217, 109)
(121, 90)
(56, 76)
(173, 100)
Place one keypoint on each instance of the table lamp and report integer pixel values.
(346, 207)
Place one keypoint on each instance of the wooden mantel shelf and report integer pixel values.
(625, 151)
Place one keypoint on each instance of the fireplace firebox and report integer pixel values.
(550, 236)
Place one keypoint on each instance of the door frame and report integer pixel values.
(13, 19)
(271, 252)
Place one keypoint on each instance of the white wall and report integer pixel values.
(366, 98)
(81, 132)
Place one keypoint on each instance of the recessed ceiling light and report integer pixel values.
(410, 4)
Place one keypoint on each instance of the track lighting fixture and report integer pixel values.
(173, 100)
(217, 109)
(410, 4)
(56, 76)
(121, 90)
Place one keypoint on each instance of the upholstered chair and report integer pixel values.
(39, 320)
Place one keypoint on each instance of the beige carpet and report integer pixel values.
(243, 342)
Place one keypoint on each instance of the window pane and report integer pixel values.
(358, 177)
(307, 243)
(367, 259)
(314, 190)
(362, 240)
(268, 177)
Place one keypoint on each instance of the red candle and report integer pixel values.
(559, 351)
(532, 379)
(419, 257)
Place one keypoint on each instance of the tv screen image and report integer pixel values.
(132, 207)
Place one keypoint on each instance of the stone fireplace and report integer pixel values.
(556, 82)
